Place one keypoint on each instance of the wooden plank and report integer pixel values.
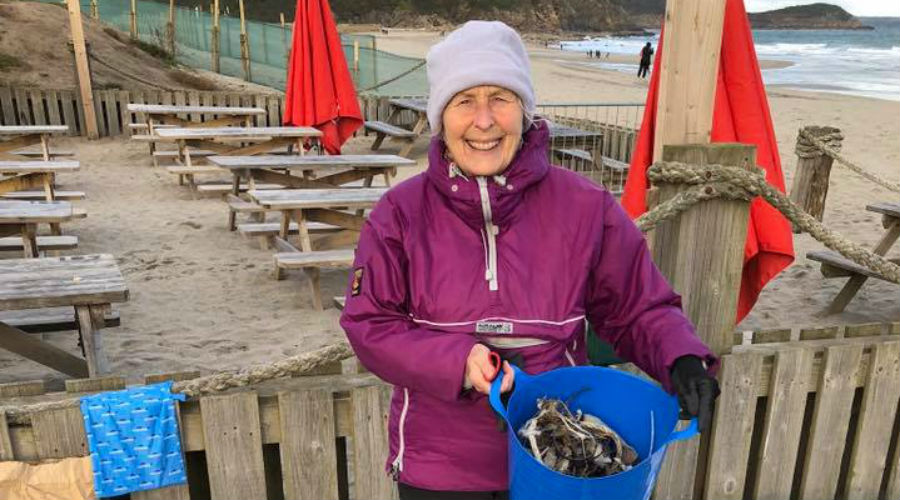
(262, 120)
(23, 108)
(30, 166)
(829, 332)
(769, 336)
(309, 162)
(37, 106)
(177, 492)
(784, 418)
(205, 110)
(6, 449)
(181, 102)
(25, 345)
(733, 426)
(98, 384)
(885, 208)
(830, 421)
(53, 115)
(308, 455)
(893, 484)
(99, 101)
(123, 97)
(90, 324)
(26, 388)
(6, 102)
(60, 281)
(113, 115)
(317, 198)
(236, 133)
(272, 108)
(370, 407)
(174, 376)
(69, 111)
(864, 330)
(59, 433)
(868, 459)
(232, 434)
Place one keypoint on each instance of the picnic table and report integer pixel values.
(329, 206)
(265, 139)
(392, 128)
(87, 283)
(836, 266)
(18, 176)
(276, 169)
(23, 136)
(22, 217)
(165, 114)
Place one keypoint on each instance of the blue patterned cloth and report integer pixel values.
(133, 439)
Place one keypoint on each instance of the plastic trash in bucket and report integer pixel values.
(643, 414)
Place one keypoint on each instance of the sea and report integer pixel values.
(857, 62)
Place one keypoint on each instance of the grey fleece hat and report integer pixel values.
(478, 53)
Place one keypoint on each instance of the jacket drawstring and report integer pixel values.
(491, 232)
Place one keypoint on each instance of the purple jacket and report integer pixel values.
(518, 263)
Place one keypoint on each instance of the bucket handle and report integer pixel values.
(494, 396)
(687, 433)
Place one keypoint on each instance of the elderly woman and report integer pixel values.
(492, 248)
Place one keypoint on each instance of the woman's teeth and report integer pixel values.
(483, 145)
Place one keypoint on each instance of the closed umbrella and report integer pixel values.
(741, 114)
(319, 90)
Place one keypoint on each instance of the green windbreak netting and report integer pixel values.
(269, 45)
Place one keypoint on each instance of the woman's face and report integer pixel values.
(482, 129)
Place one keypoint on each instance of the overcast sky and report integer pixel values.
(855, 7)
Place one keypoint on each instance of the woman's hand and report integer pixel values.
(696, 390)
(479, 368)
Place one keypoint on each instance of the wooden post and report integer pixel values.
(95, 12)
(214, 46)
(170, 30)
(355, 55)
(287, 48)
(810, 185)
(690, 65)
(133, 17)
(245, 44)
(688, 75)
(81, 68)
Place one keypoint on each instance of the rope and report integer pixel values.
(395, 78)
(217, 382)
(718, 181)
(825, 148)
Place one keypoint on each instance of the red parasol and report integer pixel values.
(319, 90)
(742, 115)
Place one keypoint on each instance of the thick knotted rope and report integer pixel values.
(718, 181)
(826, 144)
(217, 382)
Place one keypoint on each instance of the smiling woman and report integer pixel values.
(494, 253)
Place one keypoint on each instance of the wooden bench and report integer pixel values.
(573, 154)
(384, 129)
(44, 243)
(42, 195)
(266, 231)
(311, 262)
(51, 319)
(835, 265)
(37, 153)
(615, 165)
(222, 188)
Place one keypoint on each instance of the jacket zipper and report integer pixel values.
(491, 231)
(397, 464)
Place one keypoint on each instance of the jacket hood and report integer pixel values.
(528, 167)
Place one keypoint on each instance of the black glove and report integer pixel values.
(696, 390)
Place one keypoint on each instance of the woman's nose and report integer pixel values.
(484, 118)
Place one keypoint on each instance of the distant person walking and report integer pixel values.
(646, 57)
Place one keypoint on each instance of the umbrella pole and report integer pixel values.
(245, 44)
(215, 37)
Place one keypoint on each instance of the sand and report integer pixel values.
(204, 298)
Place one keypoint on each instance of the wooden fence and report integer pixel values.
(809, 419)
(27, 106)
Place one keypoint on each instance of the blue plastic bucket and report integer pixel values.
(642, 413)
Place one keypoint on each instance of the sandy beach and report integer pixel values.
(204, 298)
